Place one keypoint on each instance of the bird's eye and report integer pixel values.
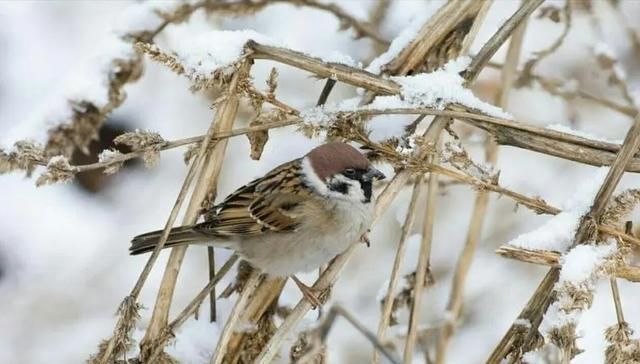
(349, 172)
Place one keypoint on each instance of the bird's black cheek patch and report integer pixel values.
(339, 187)
(367, 188)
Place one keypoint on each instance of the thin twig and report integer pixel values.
(337, 310)
(362, 29)
(454, 306)
(422, 269)
(234, 317)
(552, 259)
(397, 262)
(192, 307)
(614, 287)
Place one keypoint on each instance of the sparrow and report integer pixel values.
(294, 219)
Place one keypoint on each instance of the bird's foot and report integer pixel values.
(309, 293)
(365, 239)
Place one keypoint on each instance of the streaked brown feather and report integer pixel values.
(266, 204)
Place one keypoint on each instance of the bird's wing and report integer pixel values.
(267, 204)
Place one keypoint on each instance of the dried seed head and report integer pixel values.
(58, 170)
(24, 156)
(110, 156)
(139, 139)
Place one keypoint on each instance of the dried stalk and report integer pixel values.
(264, 297)
(614, 286)
(234, 317)
(322, 331)
(552, 259)
(454, 306)
(539, 56)
(191, 308)
(446, 29)
(335, 71)
(205, 188)
(506, 132)
(397, 263)
(346, 20)
(557, 87)
(423, 267)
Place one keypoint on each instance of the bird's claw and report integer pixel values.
(365, 239)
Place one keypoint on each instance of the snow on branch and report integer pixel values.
(435, 90)
(558, 232)
(93, 94)
(207, 59)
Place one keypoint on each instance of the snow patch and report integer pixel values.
(204, 54)
(438, 89)
(399, 43)
(583, 260)
(558, 232)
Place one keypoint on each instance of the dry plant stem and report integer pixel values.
(337, 310)
(234, 317)
(521, 135)
(186, 141)
(543, 295)
(552, 259)
(506, 132)
(205, 186)
(361, 28)
(454, 306)
(616, 300)
(493, 44)
(212, 273)
(191, 308)
(376, 17)
(264, 296)
(397, 262)
(454, 14)
(335, 71)
(548, 81)
(422, 268)
(532, 311)
(614, 287)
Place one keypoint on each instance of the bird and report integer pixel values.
(295, 218)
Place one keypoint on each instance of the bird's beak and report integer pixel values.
(373, 173)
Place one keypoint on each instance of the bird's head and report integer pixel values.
(338, 170)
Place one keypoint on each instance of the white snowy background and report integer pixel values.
(64, 263)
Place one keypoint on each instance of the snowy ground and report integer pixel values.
(64, 265)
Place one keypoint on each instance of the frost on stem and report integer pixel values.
(26, 155)
(622, 349)
(581, 266)
(110, 156)
(58, 170)
(143, 141)
(208, 59)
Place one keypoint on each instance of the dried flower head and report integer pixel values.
(58, 170)
(143, 141)
(111, 157)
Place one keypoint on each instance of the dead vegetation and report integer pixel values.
(423, 160)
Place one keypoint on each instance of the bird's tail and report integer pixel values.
(177, 236)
